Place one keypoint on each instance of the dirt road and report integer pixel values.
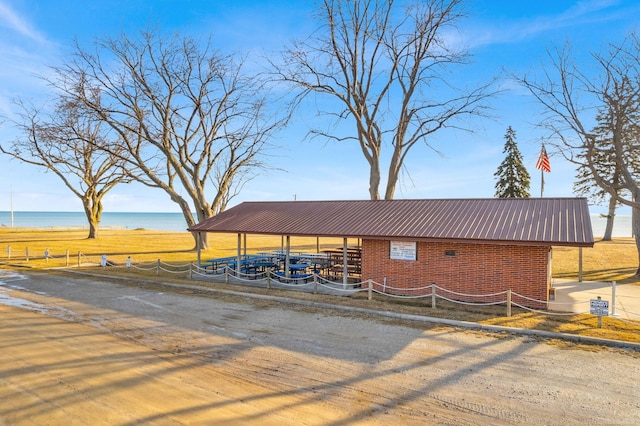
(85, 351)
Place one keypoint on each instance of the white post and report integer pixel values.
(508, 302)
(613, 298)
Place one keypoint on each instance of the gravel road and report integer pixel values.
(79, 350)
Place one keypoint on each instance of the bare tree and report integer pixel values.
(188, 118)
(67, 142)
(385, 66)
(574, 102)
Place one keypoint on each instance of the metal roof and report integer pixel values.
(531, 221)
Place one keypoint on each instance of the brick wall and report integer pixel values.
(468, 268)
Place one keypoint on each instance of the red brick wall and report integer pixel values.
(475, 269)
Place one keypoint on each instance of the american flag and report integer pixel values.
(543, 161)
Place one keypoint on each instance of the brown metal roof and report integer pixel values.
(539, 221)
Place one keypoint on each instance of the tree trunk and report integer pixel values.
(374, 177)
(610, 218)
(93, 212)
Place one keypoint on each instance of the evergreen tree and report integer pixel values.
(513, 178)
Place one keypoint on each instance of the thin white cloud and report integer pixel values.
(11, 20)
(587, 12)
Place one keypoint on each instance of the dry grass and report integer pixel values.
(616, 260)
(142, 245)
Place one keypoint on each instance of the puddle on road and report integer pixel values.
(7, 284)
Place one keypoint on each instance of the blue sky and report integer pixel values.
(501, 35)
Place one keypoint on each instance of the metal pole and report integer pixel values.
(239, 255)
(245, 244)
(345, 266)
(199, 247)
(580, 264)
(287, 257)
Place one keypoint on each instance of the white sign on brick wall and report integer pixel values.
(403, 250)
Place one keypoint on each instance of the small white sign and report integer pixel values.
(403, 250)
(599, 307)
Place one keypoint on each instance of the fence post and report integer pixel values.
(508, 302)
(433, 295)
(190, 273)
(158, 268)
(226, 275)
(67, 257)
(46, 255)
(268, 278)
(9, 252)
(26, 250)
(103, 261)
(370, 290)
(79, 254)
(315, 284)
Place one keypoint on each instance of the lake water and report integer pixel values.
(154, 221)
(176, 222)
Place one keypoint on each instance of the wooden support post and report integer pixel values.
(370, 290)
(509, 302)
(433, 295)
(67, 257)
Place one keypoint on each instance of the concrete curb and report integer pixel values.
(388, 314)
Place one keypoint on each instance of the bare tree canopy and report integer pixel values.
(68, 143)
(596, 119)
(383, 66)
(191, 120)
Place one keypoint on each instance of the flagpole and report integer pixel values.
(541, 183)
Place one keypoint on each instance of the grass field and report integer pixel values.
(607, 261)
